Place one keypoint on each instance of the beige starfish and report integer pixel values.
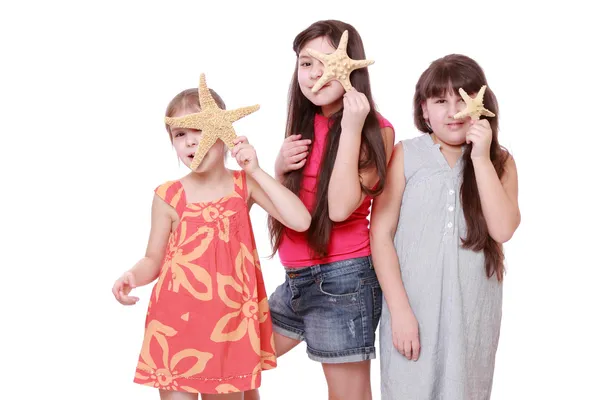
(475, 107)
(338, 65)
(214, 122)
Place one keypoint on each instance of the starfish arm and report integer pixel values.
(487, 113)
(227, 136)
(234, 115)
(318, 55)
(206, 99)
(346, 84)
(205, 144)
(465, 96)
(343, 41)
(357, 64)
(328, 76)
(461, 114)
(479, 97)
(193, 121)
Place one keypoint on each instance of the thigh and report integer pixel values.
(283, 344)
(172, 395)
(251, 395)
(350, 381)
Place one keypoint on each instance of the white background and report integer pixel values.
(83, 89)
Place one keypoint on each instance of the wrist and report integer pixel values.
(481, 161)
(256, 172)
(351, 130)
(399, 307)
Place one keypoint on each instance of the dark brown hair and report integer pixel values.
(300, 120)
(452, 72)
(189, 100)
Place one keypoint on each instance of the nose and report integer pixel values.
(316, 70)
(191, 140)
(455, 107)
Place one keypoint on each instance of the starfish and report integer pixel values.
(475, 107)
(338, 65)
(214, 122)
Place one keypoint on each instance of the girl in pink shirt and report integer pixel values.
(334, 158)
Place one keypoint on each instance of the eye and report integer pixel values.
(305, 64)
(179, 134)
(440, 101)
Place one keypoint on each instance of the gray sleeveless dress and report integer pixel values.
(457, 307)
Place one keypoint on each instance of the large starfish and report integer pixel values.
(338, 65)
(214, 122)
(475, 107)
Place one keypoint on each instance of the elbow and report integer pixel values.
(505, 233)
(303, 223)
(338, 214)
(502, 237)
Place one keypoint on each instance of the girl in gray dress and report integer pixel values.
(450, 201)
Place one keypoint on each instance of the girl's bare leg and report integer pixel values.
(283, 344)
(351, 381)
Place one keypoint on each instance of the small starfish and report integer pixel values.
(338, 65)
(475, 107)
(214, 122)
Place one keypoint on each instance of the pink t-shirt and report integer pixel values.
(349, 238)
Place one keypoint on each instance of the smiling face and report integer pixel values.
(439, 112)
(310, 70)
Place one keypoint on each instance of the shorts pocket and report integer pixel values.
(341, 285)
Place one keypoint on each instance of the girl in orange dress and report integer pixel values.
(208, 326)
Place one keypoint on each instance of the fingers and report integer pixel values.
(240, 139)
(239, 147)
(472, 136)
(291, 138)
(245, 155)
(399, 346)
(122, 287)
(297, 140)
(356, 101)
(416, 349)
(127, 300)
(121, 294)
(293, 167)
(295, 143)
(295, 150)
(408, 349)
(129, 280)
(297, 158)
(117, 287)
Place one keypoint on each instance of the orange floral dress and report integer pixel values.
(208, 327)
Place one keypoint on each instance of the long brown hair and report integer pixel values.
(300, 120)
(451, 73)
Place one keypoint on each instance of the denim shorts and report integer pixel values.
(334, 307)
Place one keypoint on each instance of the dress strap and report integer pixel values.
(172, 194)
(239, 184)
